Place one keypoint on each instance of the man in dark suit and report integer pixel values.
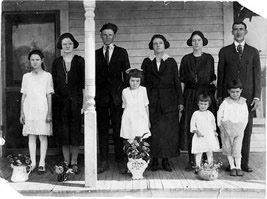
(111, 63)
(241, 61)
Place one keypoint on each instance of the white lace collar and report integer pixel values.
(164, 57)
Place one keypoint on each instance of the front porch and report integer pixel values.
(177, 183)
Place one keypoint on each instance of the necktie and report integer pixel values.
(107, 55)
(239, 50)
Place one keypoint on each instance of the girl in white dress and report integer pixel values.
(135, 118)
(203, 126)
(35, 114)
(232, 118)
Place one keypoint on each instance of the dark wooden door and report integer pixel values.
(24, 31)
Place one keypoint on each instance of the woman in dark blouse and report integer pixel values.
(165, 100)
(197, 76)
(69, 81)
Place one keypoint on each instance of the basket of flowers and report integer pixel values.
(209, 171)
(137, 151)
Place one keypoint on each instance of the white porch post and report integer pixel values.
(90, 128)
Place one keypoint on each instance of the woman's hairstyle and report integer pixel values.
(234, 84)
(134, 72)
(67, 35)
(204, 98)
(37, 52)
(166, 43)
(199, 33)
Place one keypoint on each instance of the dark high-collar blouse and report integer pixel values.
(70, 83)
(197, 70)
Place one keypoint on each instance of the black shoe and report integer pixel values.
(41, 170)
(122, 166)
(166, 165)
(228, 168)
(103, 167)
(189, 167)
(239, 172)
(75, 168)
(246, 168)
(233, 172)
(196, 170)
(155, 164)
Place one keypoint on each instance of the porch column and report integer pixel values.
(90, 128)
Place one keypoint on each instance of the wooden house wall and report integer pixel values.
(138, 21)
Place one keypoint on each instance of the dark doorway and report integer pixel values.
(25, 31)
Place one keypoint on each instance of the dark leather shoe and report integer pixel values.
(246, 168)
(189, 167)
(155, 164)
(233, 172)
(122, 166)
(239, 172)
(166, 165)
(228, 168)
(103, 167)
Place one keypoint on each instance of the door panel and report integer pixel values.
(25, 31)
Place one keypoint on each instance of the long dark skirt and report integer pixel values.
(164, 140)
(190, 106)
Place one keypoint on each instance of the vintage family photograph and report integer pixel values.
(133, 98)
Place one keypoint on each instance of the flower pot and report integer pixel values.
(208, 174)
(137, 167)
(19, 173)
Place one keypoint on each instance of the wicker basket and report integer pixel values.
(208, 174)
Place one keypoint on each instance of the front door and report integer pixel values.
(24, 31)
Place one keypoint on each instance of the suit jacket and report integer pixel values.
(111, 79)
(248, 70)
(163, 85)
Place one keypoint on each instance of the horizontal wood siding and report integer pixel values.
(138, 21)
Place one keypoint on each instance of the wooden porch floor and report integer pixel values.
(177, 183)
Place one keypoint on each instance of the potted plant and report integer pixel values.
(209, 171)
(137, 151)
(21, 167)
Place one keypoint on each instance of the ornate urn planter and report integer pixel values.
(137, 167)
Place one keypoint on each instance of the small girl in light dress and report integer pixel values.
(35, 114)
(203, 126)
(135, 118)
(232, 118)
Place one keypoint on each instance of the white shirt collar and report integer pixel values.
(242, 43)
(164, 57)
(241, 100)
(111, 47)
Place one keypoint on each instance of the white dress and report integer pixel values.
(35, 106)
(204, 122)
(134, 119)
